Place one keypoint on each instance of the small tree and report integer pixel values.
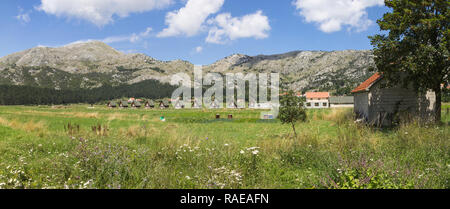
(292, 110)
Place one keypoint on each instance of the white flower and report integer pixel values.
(255, 152)
(188, 178)
(226, 145)
(242, 152)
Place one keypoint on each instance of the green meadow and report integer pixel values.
(77, 147)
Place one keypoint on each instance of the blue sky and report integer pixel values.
(199, 31)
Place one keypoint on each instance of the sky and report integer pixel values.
(199, 31)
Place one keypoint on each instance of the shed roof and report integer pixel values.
(365, 86)
(342, 100)
(316, 95)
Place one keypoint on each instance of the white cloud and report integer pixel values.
(23, 17)
(198, 49)
(225, 27)
(99, 12)
(332, 15)
(189, 19)
(133, 38)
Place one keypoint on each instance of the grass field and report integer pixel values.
(77, 147)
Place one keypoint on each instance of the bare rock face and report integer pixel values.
(94, 64)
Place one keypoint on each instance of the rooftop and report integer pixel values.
(368, 83)
(342, 100)
(317, 95)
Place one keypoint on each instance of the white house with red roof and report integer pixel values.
(317, 100)
(380, 104)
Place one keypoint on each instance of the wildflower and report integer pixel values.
(188, 178)
(255, 152)
(226, 145)
(40, 145)
(242, 152)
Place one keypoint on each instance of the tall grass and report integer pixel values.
(193, 150)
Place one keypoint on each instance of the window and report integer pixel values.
(316, 104)
(325, 104)
(308, 104)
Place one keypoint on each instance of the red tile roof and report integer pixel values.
(368, 83)
(317, 95)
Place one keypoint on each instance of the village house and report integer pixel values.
(123, 104)
(263, 106)
(232, 105)
(252, 105)
(179, 104)
(214, 104)
(136, 104)
(241, 103)
(149, 104)
(112, 104)
(378, 104)
(163, 104)
(341, 101)
(196, 104)
(317, 100)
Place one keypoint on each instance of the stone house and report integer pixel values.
(378, 104)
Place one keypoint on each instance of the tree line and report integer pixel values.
(28, 95)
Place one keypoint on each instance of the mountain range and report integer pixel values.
(94, 64)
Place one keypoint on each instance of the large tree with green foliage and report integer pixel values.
(291, 110)
(416, 45)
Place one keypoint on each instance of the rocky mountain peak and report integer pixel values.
(299, 70)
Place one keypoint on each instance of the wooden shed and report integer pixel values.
(378, 104)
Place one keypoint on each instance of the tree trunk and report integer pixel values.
(293, 127)
(437, 106)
